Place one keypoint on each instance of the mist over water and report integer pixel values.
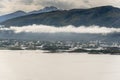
(72, 33)
(63, 29)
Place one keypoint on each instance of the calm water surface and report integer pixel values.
(36, 65)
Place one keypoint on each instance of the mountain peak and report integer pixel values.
(51, 7)
(107, 7)
(20, 12)
(46, 9)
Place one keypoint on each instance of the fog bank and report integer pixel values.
(65, 29)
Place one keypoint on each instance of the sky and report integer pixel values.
(8, 6)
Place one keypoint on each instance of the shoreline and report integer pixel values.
(60, 52)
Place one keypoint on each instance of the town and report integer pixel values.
(91, 47)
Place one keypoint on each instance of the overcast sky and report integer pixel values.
(8, 6)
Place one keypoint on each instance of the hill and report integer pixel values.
(108, 16)
(22, 13)
(12, 15)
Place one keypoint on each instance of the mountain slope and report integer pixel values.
(22, 13)
(102, 16)
(12, 15)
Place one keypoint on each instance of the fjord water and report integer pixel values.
(36, 65)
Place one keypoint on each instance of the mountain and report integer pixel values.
(22, 13)
(12, 15)
(46, 9)
(108, 16)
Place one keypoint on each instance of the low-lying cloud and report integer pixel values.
(64, 29)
